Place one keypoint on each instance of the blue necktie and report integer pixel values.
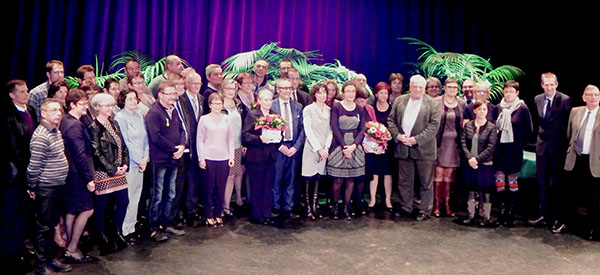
(548, 105)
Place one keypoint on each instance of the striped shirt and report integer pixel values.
(48, 165)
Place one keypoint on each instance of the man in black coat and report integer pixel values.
(553, 109)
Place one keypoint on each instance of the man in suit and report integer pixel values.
(583, 159)
(414, 122)
(289, 151)
(298, 95)
(553, 108)
(191, 106)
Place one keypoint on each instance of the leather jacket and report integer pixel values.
(105, 148)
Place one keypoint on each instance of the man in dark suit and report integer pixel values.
(414, 122)
(296, 94)
(19, 120)
(553, 108)
(289, 151)
(191, 106)
(583, 160)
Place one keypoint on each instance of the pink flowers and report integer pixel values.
(377, 132)
(271, 122)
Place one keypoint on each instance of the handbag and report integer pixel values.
(106, 185)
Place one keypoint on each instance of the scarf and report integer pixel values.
(504, 122)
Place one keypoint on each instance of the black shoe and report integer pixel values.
(57, 266)
(84, 259)
(131, 238)
(422, 217)
(402, 214)
(253, 221)
(559, 228)
(335, 212)
(120, 241)
(106, 245)
(268, 221)
(158, 236)
(539, 221)
(43, 270)
(275, 213)
(468, 221)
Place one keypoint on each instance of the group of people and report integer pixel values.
(172, 153)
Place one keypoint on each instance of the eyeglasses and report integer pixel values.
(138, 83)
(168, 94)
(216, 103)
(481, 91)
(53, 110)
(230, 89)
(82, 103)
(285, 88)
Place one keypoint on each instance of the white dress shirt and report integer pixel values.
(410, 114)
(588, 131)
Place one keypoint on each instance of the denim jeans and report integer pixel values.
(162, 194)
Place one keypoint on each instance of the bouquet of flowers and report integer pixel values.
(272, 125)
(377, 135)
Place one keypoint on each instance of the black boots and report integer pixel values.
(106, 245)
(314, 204)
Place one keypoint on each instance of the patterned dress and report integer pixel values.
(348, 127)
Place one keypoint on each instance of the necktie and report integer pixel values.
(294, 97)
(547, 110)
(182, 119)
(195, 106)
(286, 116)
(579, 136)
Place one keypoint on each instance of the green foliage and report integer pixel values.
(310, 73)
(462, 66)
(149, 68)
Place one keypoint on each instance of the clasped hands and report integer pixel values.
(406, 140)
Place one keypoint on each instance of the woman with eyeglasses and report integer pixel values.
(481, 92)
(135, 136)
(452, 109)
(346, 161)
(216, 156)
(232, 107)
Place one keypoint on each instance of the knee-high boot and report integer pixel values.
(437, 197)
(446, 196)
(315, 201)
(471, 207)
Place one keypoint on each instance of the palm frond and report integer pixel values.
(72, 82)
(120, 59)
(154, 70)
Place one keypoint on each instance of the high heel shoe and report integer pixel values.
(219, 222)
(211, 223)
(72, 259)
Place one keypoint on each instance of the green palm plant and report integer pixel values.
(310, 73)
(149, 68)
(462, 66)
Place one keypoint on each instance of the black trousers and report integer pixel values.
(14, 206)
(48, 207)
(583, 187)
(549, 174)
(215, 179)
(261, 188)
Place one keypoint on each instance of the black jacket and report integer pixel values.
(19, 137)
(258, 152)
(487, 141)
(105, 148)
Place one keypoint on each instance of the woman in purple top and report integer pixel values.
(215, 156)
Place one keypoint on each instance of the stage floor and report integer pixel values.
(377, 244)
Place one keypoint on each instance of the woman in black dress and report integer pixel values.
(378, 163)
(514, 127)
(80, 184)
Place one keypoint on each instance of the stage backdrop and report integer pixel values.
(361, 34)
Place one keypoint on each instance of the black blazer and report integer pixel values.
(258, 152)
(552, 131)
(78, 150)
(105, 148)
(303, 98)
(191, 122)
(19, 137)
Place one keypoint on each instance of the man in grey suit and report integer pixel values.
(583, 158)
(553, 108)
(414, 122)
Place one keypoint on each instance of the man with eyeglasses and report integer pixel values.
(166, 138)
(583, 161)
(46, 175)
(286, 163)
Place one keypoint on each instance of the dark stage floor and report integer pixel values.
(369, 245)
